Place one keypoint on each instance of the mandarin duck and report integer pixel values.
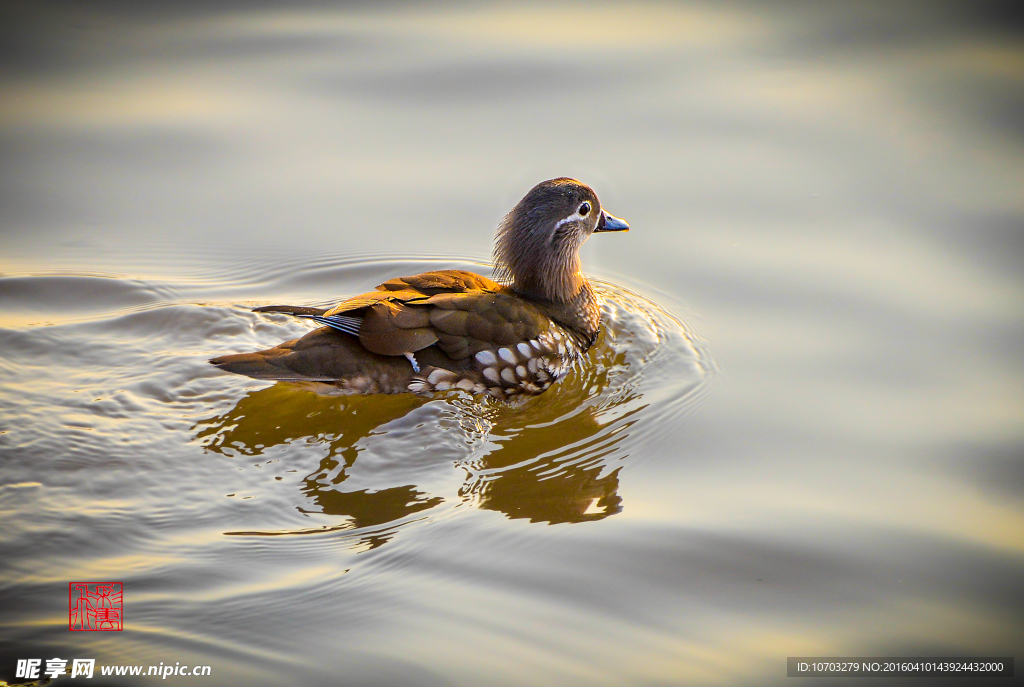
(452, 329)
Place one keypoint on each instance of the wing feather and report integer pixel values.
(343, 323)
(461, 312)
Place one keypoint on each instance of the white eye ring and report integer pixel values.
(581, 212)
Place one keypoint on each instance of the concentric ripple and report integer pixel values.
(120, 378)
(552, 458)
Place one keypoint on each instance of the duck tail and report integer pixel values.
(321, 355)
(257, 365)
(297, 310)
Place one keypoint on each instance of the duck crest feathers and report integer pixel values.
(533, 254)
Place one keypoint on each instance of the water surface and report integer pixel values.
(801, 432)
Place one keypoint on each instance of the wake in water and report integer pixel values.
(551, 458)
(121, 380)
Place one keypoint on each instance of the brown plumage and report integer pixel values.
(455, 329)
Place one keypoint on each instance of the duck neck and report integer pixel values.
(559, 283)
(529, 259)
(581, 314)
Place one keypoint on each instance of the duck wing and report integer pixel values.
(462, 312)
(467, 323)
(465, 330)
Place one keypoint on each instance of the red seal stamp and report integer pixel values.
(96, 606)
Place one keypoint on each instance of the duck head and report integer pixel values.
(536, 249)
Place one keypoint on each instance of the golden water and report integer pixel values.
(801, 432)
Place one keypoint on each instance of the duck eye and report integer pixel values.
(584, 209)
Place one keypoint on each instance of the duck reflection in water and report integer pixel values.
(551, 460)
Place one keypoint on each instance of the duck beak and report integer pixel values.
(610, 223)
